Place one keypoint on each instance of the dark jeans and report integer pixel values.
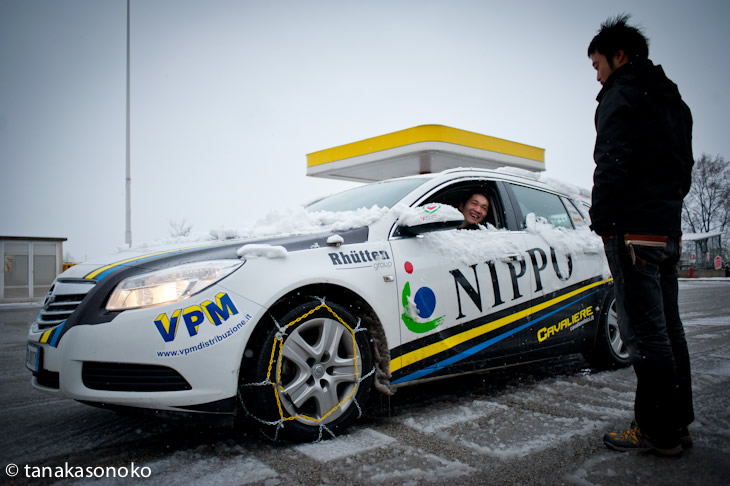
(645, 281)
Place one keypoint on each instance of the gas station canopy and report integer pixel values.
(421, 150)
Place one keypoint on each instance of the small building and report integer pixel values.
(30, 265)
(421, 150)
(700, 252)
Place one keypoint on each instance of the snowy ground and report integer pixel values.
(537, 426)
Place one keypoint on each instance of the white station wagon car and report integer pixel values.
(296, 331)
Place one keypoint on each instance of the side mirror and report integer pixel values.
(429, 218)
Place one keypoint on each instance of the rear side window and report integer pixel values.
(543, 204)
(579, 219)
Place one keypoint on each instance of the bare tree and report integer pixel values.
(707, 206)
(180, 228)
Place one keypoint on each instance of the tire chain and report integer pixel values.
(279, 424)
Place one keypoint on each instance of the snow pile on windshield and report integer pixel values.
(300, 221)
(290, 222)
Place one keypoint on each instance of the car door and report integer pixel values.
(566, 267)
(463, 295)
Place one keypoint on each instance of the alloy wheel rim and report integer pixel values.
(614, 335)
(320, 371)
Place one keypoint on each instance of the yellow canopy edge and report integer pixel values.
(426, 133)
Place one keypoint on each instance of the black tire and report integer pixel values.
(322, 369)
(609, 351)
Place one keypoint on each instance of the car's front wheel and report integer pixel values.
(310, 374)
(609, 350)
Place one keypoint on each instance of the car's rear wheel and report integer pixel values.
(609, 350)
(311, 375)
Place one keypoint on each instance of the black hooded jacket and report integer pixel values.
(643, 153)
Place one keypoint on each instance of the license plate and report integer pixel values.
(33, 357)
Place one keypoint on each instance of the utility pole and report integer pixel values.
(128, 232)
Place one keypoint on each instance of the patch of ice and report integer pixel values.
(511, 433)
(690, 321)
(397, 463)
(345, 445)
(714, 364)
(453, 415)
(594, 466)
(428, 469)
(209, 469)
(704, 336)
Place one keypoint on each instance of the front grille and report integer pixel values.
(132, 377)
(63, 298)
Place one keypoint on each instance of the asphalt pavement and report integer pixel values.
(540, 424)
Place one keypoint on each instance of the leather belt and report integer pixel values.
(646, 240)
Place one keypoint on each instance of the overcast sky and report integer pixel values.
(228, 97)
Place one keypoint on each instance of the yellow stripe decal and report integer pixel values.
(452, 341)
(425, 133)
(46, 336)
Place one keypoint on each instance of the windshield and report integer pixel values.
(382, 194)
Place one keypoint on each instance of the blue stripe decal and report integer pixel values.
(119, 267)
(57, 335)
(480, 347)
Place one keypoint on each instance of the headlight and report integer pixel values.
(169, 285)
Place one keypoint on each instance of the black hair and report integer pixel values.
(616, 35)
(469, 195)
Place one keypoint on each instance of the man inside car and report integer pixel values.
(474, 209)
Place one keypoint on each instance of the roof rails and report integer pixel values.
(510, 171)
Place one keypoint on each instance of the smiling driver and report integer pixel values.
(474, 210)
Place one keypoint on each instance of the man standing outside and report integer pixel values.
(643, 157)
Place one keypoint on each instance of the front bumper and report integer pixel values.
(137, 361)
